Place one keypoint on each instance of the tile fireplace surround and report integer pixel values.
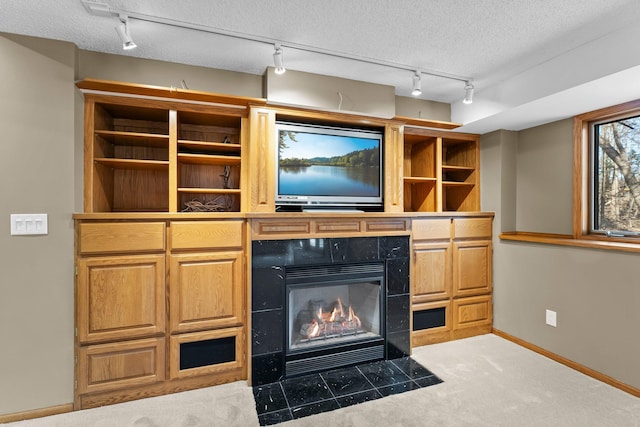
(271, 258)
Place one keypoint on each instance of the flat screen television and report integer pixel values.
(328, 167)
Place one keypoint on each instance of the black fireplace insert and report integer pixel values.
(318, 304)
(334, 315)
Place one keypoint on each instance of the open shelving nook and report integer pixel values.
(209, 158)
(440, 171)
(159, 155)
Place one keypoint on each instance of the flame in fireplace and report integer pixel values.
(314, 330)
(353, 318)
(334, 322)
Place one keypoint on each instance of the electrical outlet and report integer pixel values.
(551, 318)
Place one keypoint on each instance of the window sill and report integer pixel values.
(569, 240)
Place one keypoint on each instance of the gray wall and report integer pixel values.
(102, 66)
(544, 178)
(595, 293)
(36, 176)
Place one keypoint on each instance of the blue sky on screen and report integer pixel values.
(311, 145)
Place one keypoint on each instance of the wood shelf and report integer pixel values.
(134, 138)
(457, 184)
(133, 164)
(419, 180)
(209, 147)
(436, 124)
(457, 168)
(209, 190)
(208, 159)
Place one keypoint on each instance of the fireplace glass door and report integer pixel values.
(331, 307)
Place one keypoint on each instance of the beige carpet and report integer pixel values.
(488, 381)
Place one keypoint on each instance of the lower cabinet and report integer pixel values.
(472, 316)
(451, 279)
(160, 308)
(120, 365)
(161, 304)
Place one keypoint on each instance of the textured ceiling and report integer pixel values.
(490, 41)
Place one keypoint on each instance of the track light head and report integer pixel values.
(468, 92)
(417, 84)
(123, 33)
(278, 61)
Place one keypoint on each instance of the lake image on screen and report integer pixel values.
(328, 165)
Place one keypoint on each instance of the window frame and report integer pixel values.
(584, 170)
(594, 156)
(581, 235)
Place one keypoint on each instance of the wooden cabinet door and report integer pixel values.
(472, 316)
(120, 297)
(471, 268)
(431, 271)
(206, 290)
(105, 367)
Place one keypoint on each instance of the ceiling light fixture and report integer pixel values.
(278, 61)
(468, 92)
(123, 32)
(98, 8)
(417, 84)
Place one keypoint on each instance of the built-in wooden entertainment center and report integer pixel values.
(177, 186)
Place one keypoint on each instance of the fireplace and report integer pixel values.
(319, 304)
(333, 316)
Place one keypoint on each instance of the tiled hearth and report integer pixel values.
(329, 390)
(270, 261)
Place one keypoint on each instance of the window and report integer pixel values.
(615, 198)
(606, 182)
(607, 174)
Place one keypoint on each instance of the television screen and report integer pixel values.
(328, 166)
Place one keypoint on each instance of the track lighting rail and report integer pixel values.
(102, 9)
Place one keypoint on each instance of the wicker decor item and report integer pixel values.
(219, 204)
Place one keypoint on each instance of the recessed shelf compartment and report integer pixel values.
(123, 116)
(420, 171)
(456, 152)
(209, 162)
(459, 196)
(420, 156)
(420, 195)
(458, 174)
(440, 171)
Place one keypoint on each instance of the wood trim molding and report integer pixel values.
(166, 92)
(36, 413)
(568, 240)
(436, 124)
(570, 363)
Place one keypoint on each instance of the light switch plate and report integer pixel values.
(29, 224)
